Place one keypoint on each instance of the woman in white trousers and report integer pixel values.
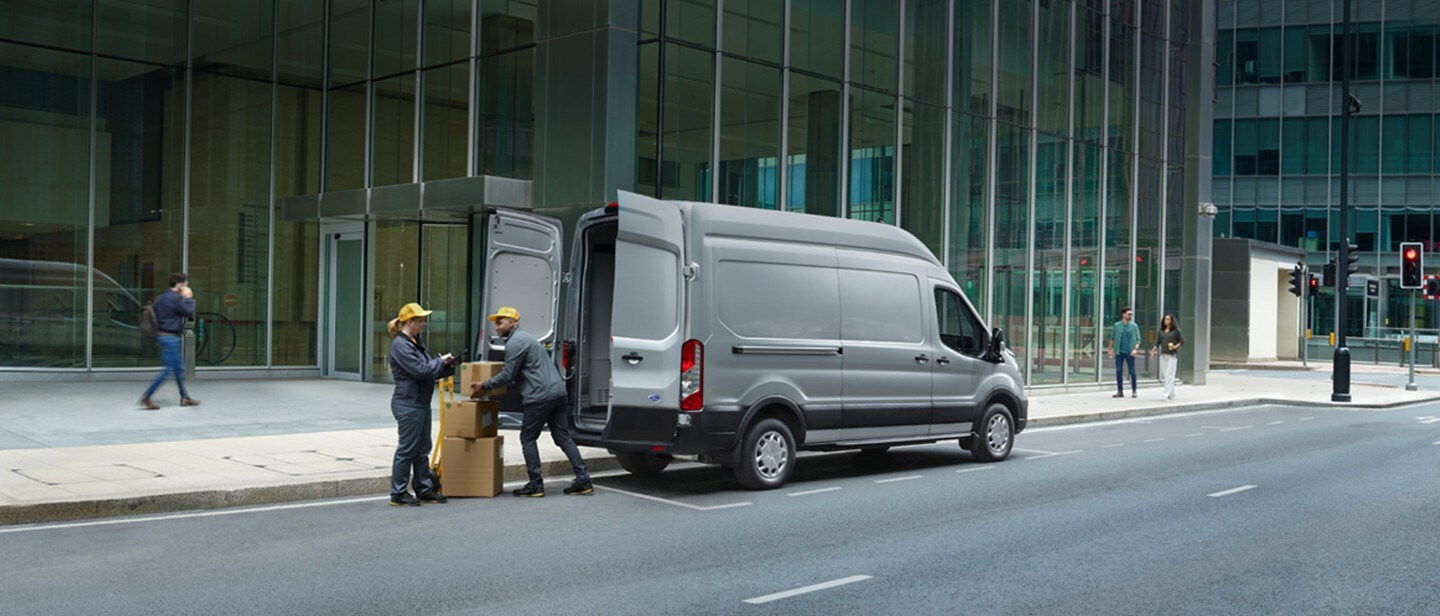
(1168, 342)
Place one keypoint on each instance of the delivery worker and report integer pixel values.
(542, 392)
(415, 373)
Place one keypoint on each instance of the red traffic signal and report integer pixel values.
(1411, 267)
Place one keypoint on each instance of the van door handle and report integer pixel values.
(632, 357)
(922, 359)
(942, 360)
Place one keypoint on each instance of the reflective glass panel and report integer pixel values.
(507, 114)
(972, 56)
(143, 30)
(1047, 323)
(446, 121)
(393, 160)
(300, 44)
(234, 38)
(813, 160)
(922, 172)
(1015, 87)
(345, 145)
(447, 31)
(395, 36)
(874, 43)
(752, 29)
(969, 218)
(58, 23)
(1053, 78)
(817, 37)
(1012, 239)
(925, 49)
(749, 134)
(872, 156)
(689, 90)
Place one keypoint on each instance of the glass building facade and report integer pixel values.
(1277, 140)
(315, 164)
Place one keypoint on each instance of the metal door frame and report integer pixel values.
(334, 233)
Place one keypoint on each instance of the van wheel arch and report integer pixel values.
(1003, 397)
(778, 408)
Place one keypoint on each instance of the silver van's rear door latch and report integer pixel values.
(691, 270)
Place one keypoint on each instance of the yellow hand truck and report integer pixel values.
(447, 397)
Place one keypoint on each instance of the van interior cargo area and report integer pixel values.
(593, 349)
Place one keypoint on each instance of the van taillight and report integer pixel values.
(692, 380)
(567, 355)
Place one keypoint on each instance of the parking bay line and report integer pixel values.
(676, 503)
(1230, 491)
(807, 589)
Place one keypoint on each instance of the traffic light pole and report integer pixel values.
(1411, 385)
(1341, 377)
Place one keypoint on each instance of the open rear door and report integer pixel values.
(522, 270)
(646, 320)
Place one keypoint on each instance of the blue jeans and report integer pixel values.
(557, 415)
(411, 466)
(174, 363)
(1121, 360)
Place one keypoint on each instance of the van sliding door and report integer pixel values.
(646, 320)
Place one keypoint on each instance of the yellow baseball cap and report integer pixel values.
(410, 311)
(506, 312)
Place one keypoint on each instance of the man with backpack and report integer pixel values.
(170, 311)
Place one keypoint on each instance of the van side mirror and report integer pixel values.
(994, 346)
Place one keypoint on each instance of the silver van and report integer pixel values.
(740, 336)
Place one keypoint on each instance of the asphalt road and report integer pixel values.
(1272, 510)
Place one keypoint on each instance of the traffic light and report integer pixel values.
(1328, 277)
(1314, 285)
(1432, 288)
(1297, 280)
(1352, 260)
(1411, 265)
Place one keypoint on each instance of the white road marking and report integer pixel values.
(198, 514)
(1428, 420)
(892, 480)
(807, 589)
(1227, 428)
(1195, 435)
(1306, 418)
(671, 502)
(1113, 445)
(975, 468)
(809, 492)
(1434, 443)
(1153, 440)
(1231, 491)
(1275, 423)
(1045, 454)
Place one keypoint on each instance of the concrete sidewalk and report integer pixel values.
(87, 451)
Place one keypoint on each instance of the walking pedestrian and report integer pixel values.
(1168, 341)
(415, 373)
(542, 392)
(1124, 342)
(171, 310)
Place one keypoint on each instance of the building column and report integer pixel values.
(586, 65)
(1195, 287)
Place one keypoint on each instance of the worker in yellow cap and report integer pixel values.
(542, 392)
(415, 373)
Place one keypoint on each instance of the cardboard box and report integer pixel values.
(476, 372)
(472, 466)
(471, 418)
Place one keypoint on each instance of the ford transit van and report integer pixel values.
(741, 336)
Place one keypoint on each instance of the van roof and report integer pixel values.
(752, 223)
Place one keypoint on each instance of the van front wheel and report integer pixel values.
(767, 456)
(994, 434)
(641, 464)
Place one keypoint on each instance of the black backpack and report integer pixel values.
(149, 323)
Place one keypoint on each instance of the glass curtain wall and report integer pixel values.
(1007, 136)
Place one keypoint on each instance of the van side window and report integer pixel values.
(960, 330)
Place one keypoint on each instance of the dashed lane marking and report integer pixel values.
(809, 492)
(975, 468)
(806, 589)
(1428, 420)
(1045, 454)
(1230, 491)
(1195, 435)
(894, 479)
(1306, 418)
(1154, 440)
(1113, 445)
(672, 502)
(1227, 428)
(1274, 423)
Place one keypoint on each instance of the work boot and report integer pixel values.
(404, 500)
(579, 488)
(434, 497)
(189, 402)
(1118, 395)
(149, 406)
(532, 490)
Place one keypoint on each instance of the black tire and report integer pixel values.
(994, 434)
(641, 464)
(767, 456)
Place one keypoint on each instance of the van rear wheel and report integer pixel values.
(767, 456)
(994, 434)
(641, 464)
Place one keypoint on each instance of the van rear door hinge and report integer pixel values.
(691, 271)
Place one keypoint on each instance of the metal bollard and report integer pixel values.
(187, 348)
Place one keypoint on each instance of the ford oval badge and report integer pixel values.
(654, 397)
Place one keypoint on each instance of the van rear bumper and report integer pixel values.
(658, 431)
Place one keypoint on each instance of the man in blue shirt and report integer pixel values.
(171, 310)
(1124, 342)
(542, 391)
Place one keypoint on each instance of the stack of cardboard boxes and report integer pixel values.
(472, 458)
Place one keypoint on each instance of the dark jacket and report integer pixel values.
(415, 372)
(171, 310)
(527, 362)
